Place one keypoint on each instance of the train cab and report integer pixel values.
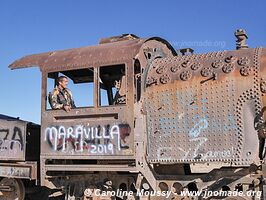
(105, 81)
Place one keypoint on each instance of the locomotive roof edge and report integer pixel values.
(88, 55)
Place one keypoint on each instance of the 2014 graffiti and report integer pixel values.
(94, 140)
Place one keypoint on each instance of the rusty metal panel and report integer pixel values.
(107, 53)
(19, 170)
(109, 133)
(84, 56)
(12, 140)
(201, 108)
(261, 129)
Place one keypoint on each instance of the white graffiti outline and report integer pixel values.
(79, 132)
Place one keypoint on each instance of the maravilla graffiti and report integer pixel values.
(107, 139)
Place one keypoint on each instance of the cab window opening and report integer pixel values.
(112, 85)
(80, 86)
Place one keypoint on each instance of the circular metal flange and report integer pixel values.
(227, 68)
(207, 71)
(245, 70)
(243, 61)
(217, 64)
(165, 79)
(185, 63)
(230, 59)
(175, 68)
(186, 75)
(160, 69)
(196, 66)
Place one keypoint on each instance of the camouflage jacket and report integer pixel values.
(60, 98)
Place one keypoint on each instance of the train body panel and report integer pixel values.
(19, 144)
(13, 139)
(201, 108)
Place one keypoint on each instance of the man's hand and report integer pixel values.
(67, 108)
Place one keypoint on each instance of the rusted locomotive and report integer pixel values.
(177, 122)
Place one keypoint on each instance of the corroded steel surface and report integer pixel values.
(110, 53)
(88, 56)
(104, 133)
(26, 170)
(202, 107)
(12, 139)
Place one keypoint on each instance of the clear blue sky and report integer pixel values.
(32, 26)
